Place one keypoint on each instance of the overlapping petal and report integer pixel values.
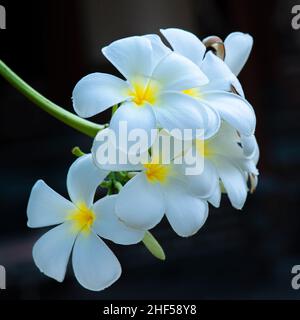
(205, 183)
(175, 72)
(215, 198)
(180, 111)
(159, 49)
(129, 118)
(140, 204)
(83, 179)
(186, 213)
(52, 251)
(219, 75)
(95, 266)
(233, 180)
(233, 109)
(96, 92)
(109, 226)
(108, 157)
(185, 43)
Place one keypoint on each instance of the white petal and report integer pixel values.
(233, 109)
(256, 154)
(226, 142)
(204, 184)
(219, 75)
(109, 226)
(107, 157)
(166, 147)
(52, 251)
(247, 165)
(249, 145)
(140, 204)
(233, 180)
(130, 118)
(46, 207)
(83, 179)
(132, 56)
(179, 111)
(95, 266)
(237, 50)
(175, 72)
(213, 120)
(96, 92)
(160, 50)
(186, 213)
(215, 198)
(185, 43)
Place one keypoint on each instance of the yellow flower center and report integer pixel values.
(142, 93)
(193, 92)
(82, 218)
(204, 148)
(156, 172)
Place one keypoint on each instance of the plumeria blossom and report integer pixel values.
(232, 108)
(164, 91)
(225, 167)
(158, 187)
(80, 223)
(153, 94)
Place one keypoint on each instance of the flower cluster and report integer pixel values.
(165, 91)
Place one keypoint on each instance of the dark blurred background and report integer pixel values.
(236, 255)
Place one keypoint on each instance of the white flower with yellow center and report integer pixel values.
(152, 94)
(232, 108)
(225, 167)
(158, 187)
(79, 224)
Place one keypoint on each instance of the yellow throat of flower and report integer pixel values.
(142, 93)
(82, 218)
(204, 148)
(156, 172)
(193, 92)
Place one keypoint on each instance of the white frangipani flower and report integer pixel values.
(225, 162)
(79, 224)
(232, 108)
(158, 187)
(152, 94)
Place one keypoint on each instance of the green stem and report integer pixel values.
(153, 246)
(87, 127)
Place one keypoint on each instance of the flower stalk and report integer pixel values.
(84, 126)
